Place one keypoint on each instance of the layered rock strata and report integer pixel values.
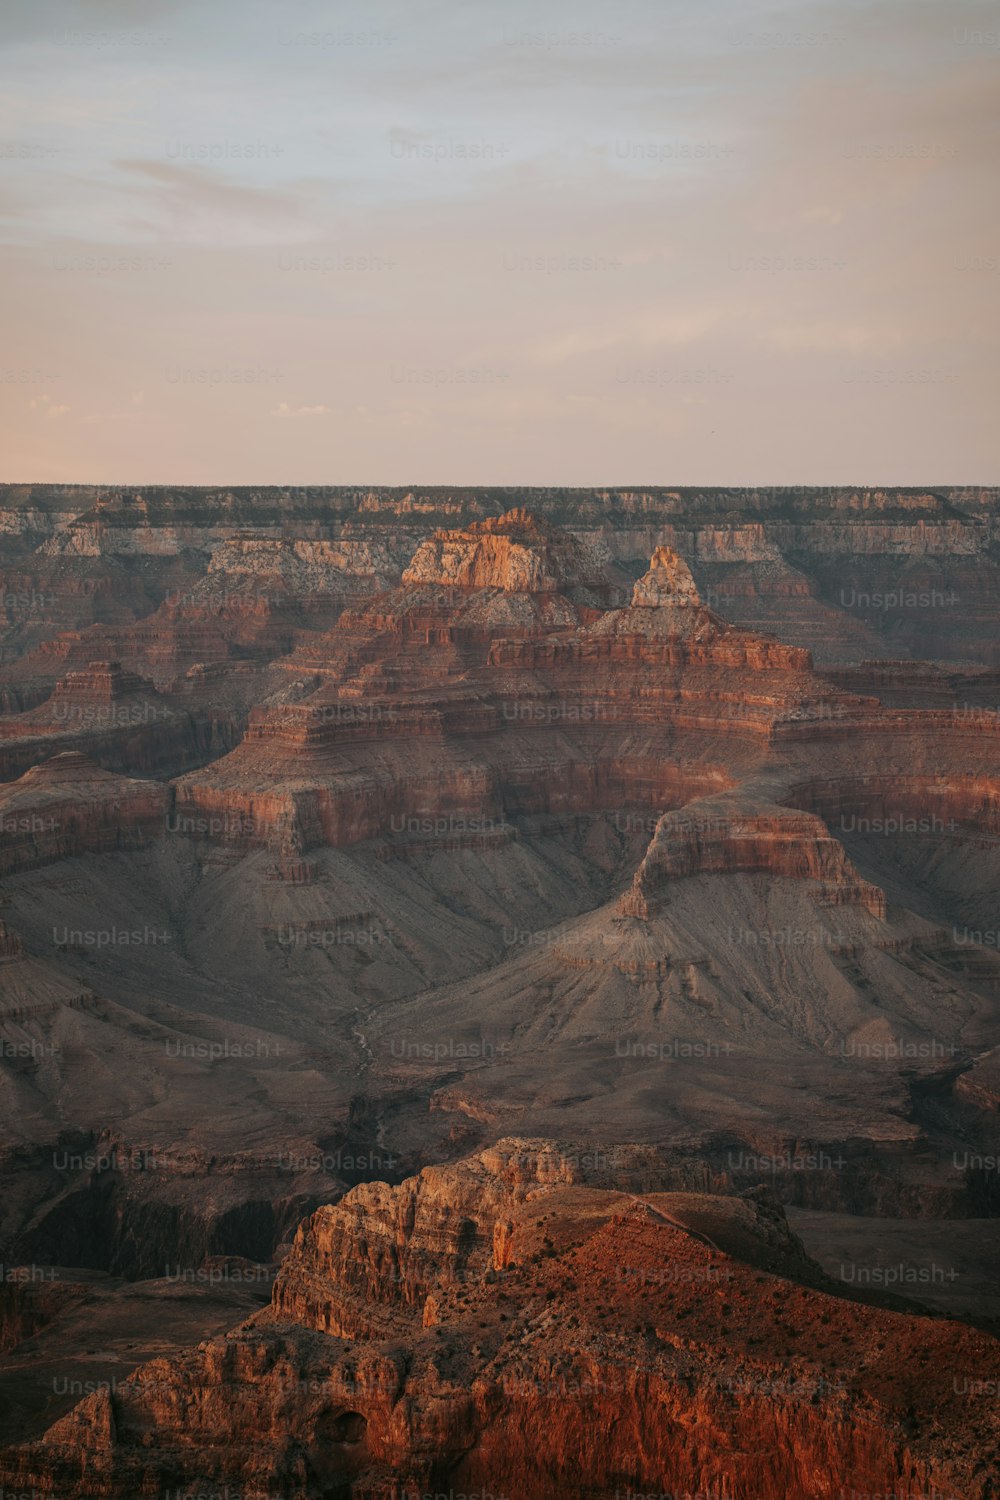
(730, 835)
(68, 806)
(502, 1326)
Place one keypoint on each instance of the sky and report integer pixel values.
(500, 242)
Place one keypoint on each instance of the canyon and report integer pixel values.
(466, 959)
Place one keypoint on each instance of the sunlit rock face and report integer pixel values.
(534, 1320)
(668, 582)
(516, 552)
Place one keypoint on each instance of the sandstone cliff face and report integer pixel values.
(667, 582)
(27, 1304)
(729, 835)
(515, 552)
(305, 566)
(68, 806)
(115, 717)
(903, 804)
(163, 742)
(500, 1326)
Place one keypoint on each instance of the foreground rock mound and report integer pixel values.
(509, 1326)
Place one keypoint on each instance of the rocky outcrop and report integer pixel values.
(149, 735)
(100, 689)
(732, 835)
(68, 806)
(43, 1309)
(502, 1325)
(515, 552)
(117, 719)
(667, 583)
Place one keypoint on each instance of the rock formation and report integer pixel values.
(667, 583)
(724, 836)
(67, 806)
(515, 552)
(357, 847)
(502, 1325)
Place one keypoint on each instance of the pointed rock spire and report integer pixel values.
(667, 581)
